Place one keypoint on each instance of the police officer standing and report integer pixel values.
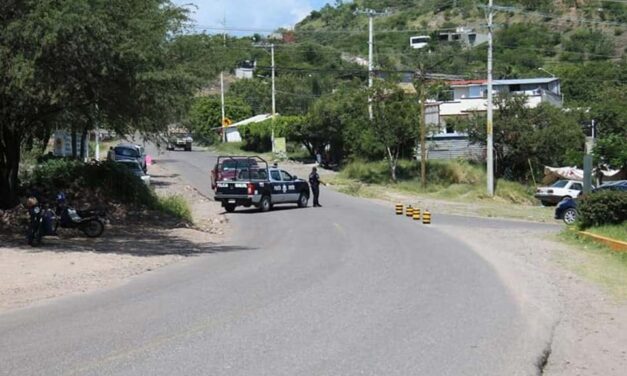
(314, 182)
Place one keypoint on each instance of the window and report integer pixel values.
(475, 91)
(286, 176)
(275, 175)
(126, 152)
(576, 186)
(560, 184)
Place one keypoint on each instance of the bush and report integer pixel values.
(602, 208)
(116, 182)
(176, 206)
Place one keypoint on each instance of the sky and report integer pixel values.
(265, 15)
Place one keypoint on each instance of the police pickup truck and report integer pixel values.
(250, 182)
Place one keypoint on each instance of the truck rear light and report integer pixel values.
(251, 188)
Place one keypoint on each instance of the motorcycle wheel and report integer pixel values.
(92, 228)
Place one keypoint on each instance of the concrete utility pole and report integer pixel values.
(423, 130)
(222, 82)
(273, 93)
(490, 141)
(371, 15)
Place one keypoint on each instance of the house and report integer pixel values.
(470, 96)
(232, 131)
(466, 36)
(245, 69)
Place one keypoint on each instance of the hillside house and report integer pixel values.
(466, 36)
(470, 96)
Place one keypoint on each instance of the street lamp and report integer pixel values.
(544, 70)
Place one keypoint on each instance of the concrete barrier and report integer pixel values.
(615, 245)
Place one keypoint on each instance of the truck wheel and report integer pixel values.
(302, 200)
(230, 208)
(188, 148)
(265, 204)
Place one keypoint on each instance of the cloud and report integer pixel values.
(251, 14)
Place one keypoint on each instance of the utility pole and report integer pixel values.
(273, 93)
(222, 82)
(371, 15)
(490, 141)
(370, 58)
(423, 130)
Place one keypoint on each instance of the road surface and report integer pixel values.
(347, 289)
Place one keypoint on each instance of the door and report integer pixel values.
(289, 188)
(276, 183)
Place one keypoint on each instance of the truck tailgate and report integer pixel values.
(235, 188)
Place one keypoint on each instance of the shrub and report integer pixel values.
(116, 182)
(602, 208)
(176, 206)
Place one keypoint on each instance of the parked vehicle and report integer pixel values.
(44, 221)
(227, 168)
(180, 140)
(560, 190)
(125, 152)
(566, 209)
(257, 185)
(136, 169)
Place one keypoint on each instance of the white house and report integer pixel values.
(470, 96)
(232, 131)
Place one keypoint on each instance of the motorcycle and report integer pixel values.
(45, 222)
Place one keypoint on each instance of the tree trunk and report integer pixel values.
(74, 151)
(392, 161)
(83, 140)
(10, 143)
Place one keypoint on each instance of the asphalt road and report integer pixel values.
(347, 289)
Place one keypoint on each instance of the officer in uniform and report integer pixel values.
(314, 182)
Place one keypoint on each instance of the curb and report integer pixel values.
(615, 245)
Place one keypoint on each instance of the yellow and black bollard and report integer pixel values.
(409, 211)
(399, 209)
(416, 214)
(426, 217)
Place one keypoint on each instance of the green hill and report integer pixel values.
(532, 34)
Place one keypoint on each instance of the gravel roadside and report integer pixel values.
(588, 324)
(72, 265)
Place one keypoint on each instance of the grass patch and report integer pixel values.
(451, 180)
(175, 206)
(617, 232)
(597, 263)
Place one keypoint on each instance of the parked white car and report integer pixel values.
(560, 190)
(137, 170)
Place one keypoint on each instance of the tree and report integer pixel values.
(73, 59)
(543, 136)
(205, 115)
(395, 121)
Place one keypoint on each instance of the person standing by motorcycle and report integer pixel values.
(314, 183)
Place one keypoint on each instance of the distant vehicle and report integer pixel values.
(419, 41)
(180, 140)
(560, 190)
(226, 168)
(133, 152)
(136, 169)
(567, 208)
(257, 185)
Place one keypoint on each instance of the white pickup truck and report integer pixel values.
(559, 190)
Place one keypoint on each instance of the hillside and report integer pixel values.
(532, 34)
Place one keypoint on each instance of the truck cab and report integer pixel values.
(253, 183)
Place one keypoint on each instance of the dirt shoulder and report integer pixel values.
(585, 321)
(72, 264)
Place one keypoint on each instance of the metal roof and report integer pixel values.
(514, 81)
(526, 81)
